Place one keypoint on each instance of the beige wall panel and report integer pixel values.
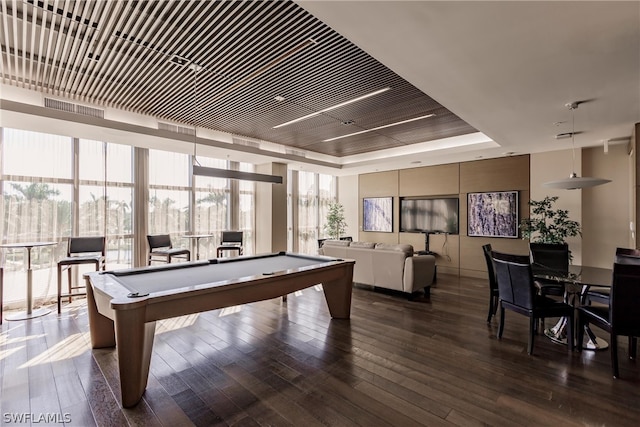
(605, 208)
(506, 173)
(430, 180)
(475, 274)
(378, 184)
(461, 254)
(377, 237)
(447, 249)
(414, 239)
(473, 257)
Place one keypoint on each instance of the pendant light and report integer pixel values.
(574, 181)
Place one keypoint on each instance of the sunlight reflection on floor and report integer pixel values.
(70, 347)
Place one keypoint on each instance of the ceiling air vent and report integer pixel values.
(70, 107)
(246, 142)
(295, 152)
(176, 128)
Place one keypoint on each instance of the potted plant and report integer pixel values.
(335, 223)
(548, 225)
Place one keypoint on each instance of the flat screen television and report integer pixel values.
(437, 215)
(377, 214)
(493, 214)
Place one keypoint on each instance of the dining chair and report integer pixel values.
(493, 284)
(161, 249)
(621, 316)
(549, 257)
(518, 293)
(601, 295)
(80, 250)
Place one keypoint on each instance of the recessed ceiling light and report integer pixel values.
(348, 122)
(279, 98)
(379, 127)
(324, 110)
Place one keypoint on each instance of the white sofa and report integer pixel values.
(384, 265)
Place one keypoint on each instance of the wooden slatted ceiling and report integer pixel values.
(135, 56)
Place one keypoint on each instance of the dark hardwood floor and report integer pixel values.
(394, 363)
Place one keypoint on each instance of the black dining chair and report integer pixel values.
(518, 293)
(493, 284)
(161, 249)
(621, 316)
(80, 250)
(601, 295)
(549, 258)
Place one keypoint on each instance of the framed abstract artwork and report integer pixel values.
(493, 214)
(377, 214)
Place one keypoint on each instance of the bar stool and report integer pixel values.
(160, 246)
(81, 250)
(231, 241)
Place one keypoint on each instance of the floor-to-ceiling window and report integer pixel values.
(169, 194)
(50, 193)
(37, 194)
(54, 187)
(308, 200)
(105, 197)
(212, 206)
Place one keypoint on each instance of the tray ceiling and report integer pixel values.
(218, 65)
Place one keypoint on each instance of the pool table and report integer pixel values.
(124, 305)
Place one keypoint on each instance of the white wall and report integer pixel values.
(348, 197)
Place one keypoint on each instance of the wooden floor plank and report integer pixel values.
(395, 362)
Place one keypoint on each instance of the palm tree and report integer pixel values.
(36, 191)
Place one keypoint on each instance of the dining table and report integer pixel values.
(577, 280)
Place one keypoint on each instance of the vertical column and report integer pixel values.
(271, 210)
(234, 184)
(295, 247)
(633, 149)
(140, 206)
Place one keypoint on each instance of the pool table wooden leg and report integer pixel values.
(100, 327)
(338, 295)
(134, 338)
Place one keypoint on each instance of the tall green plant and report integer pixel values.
(548, 225)
(335, 223)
